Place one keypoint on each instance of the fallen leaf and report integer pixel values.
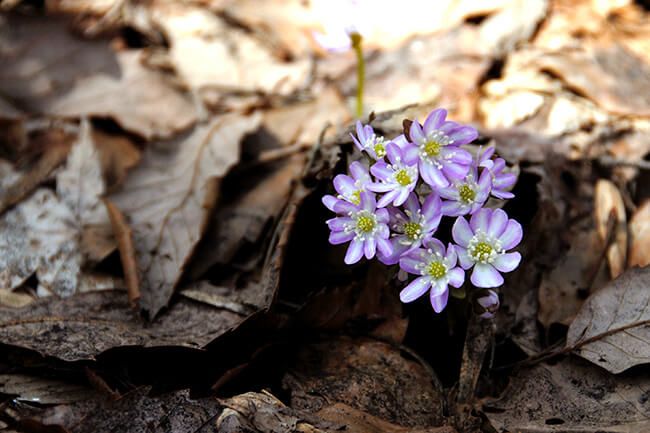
(571, 397)
(83, 326)
(41, 390)
(608, 204)
(168, 197)
(223, 57)
(639, 228)
(124, 237)
(578, 272)
(136, 411)
(612, 329)
(39, 77)
(118, 155)
(370, 376)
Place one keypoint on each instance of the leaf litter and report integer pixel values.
(160, 223)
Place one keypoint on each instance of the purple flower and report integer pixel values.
(468, 195)
(437, 269)
(483, 244)
(436, 146)
(364, 225)
(396, 179)
(412, 226)
(502, 181)
(487, 304)
(349, 189)
(369, 142)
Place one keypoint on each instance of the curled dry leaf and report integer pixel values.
(124, 237)
(370, 376)
(612, 329)
(87, 324)
(40, 77)
(571, 397)
(611, 224)
(41, 390)
(168, 197)
(640, 236)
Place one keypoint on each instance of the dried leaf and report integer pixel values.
(85, 325)
(609, 205)
(136, 412)
(223, 57)
(42, 391)
(571, 397)
(39, 76)
(168, 197)
(612, 328)
(640, 236)
(369, 376)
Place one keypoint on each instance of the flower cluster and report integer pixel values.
(391, 209)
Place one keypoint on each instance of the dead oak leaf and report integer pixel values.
(168, 197)
(39, 77)
(612, 329)
(640, 236)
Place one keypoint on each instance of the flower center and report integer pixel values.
(402, 177)
(365, 223)
(412, 230)
(355, 197)
(467, 194)
(432, 148)
(380, 149)
(436, 269)
(481, 252)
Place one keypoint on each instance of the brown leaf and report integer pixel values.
(42, 391)
(39, 76)
(168, 197)
(640, 236)
(370, 376)
(578, 272)
(612, 328)
(118, 156)
(571, 397)
(85, 325)
(609, 205)
(221, 56)
(136, 412)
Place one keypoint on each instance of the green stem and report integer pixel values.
(361, 70)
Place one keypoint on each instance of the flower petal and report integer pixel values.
(410, 263)
(511, 236)
(411, 153)
(451, 257)
(394, 153)
(434, 120)
(448, 126)
(498, 223)
(480, 220)
(455, 171)
(439, 302)
(338, 224)
(435, 245)
(456, 277)
(417, 288)
(401, 141)
(462, 232)
(484, 275)
(401, 197)
(507, 262)
(432, 175)
(417, 136)
(382, 216)
(368, 201)
(370, 248)
(463, 258)
(355, 252)
(381, 171)
(330, 202)
(384, 246)
(454, 208)
(337, 238)
(463, 135)
(387, 198)
(359, 172)
(380, 186)
(344, 185)
(412, 204)
(432, 210)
